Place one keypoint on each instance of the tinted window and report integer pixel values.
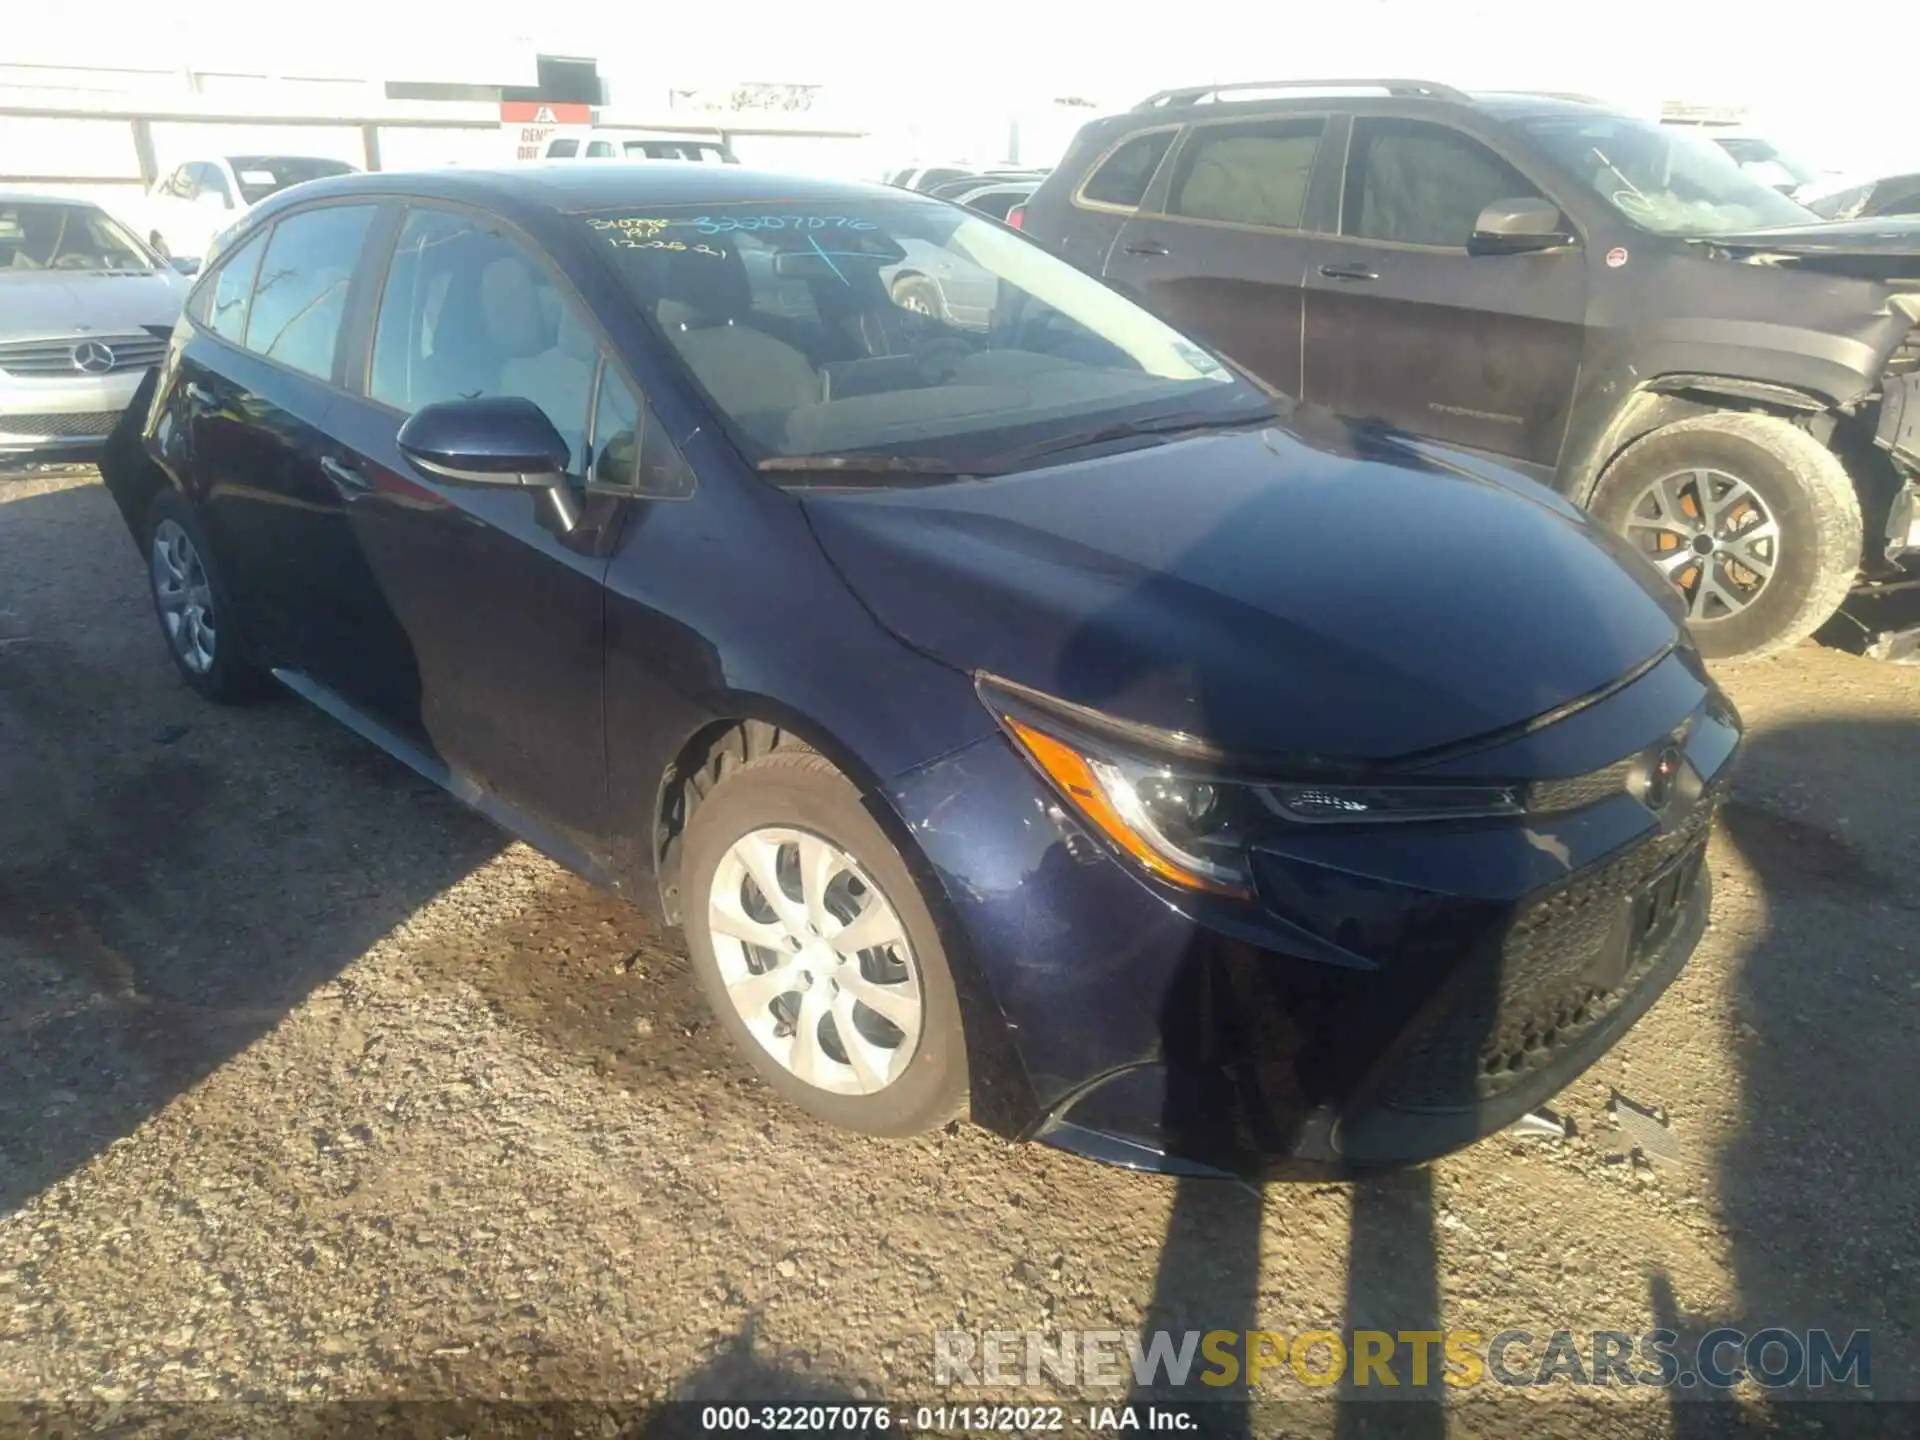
(563, 149)
(223, 303)
(1252, 174)
(1421, 184)
(600, 150)
(468, 312)
(301, 294)
(1123, 179)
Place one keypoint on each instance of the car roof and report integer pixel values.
(10, 195)
(567, 189)
(1502, 104)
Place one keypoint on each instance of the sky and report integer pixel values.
(960, 56)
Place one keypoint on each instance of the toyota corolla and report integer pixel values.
(1025, 716)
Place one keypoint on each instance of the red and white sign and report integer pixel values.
(535, 122)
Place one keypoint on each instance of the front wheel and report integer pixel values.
(1751, 519)
(816, 949)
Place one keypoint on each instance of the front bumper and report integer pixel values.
(1395, 993)
(61, 420)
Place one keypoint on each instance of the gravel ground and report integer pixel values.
(313, 1087)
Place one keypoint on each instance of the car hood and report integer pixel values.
(54, 304)
(1887, 248)
(1274, 594)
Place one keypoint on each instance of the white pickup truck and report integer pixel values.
(708, 148)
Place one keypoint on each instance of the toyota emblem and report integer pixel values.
(1656, 788)
(90, 357)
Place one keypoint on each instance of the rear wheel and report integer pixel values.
(816, 949)
(191, 605)
(1754, 522)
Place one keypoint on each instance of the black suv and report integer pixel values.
(1607, 304)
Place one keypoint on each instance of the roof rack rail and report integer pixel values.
(1194, 94)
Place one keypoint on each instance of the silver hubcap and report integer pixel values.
(1711, 536)
(185, 599)
(815, 961)
(917, 300)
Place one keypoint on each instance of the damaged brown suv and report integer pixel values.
(1607, 304)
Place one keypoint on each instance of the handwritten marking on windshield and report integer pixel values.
(643, 227)
(722, 224)
(627, 242)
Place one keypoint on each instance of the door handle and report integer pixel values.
(1146, 247)
(345, 476)
(1349, 272)
(200, 395)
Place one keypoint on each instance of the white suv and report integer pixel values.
(198, 199)
(710, 149)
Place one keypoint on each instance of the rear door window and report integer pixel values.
(301, 294)
(1253, 173)
(1415, 183)
(1123, 176)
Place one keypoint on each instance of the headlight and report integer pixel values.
(1170, 805)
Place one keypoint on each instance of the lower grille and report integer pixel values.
(1567, 963)
(78, 423)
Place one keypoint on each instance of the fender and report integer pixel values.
(1597, 434)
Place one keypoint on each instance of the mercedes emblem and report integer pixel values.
(90, 357)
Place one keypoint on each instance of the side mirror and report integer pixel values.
(185, 264)
(495, 440)
(1514, 227)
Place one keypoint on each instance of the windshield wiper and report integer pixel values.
(1159, 427)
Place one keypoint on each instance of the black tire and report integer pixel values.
(794, 787)
(1797, 479)
(232, 678)
(920, 295)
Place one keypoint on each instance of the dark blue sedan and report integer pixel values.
(1021, 711)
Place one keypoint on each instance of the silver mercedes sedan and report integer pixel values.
(85, 309)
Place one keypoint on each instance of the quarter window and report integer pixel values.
(221, 304)
(1419, 184)
(468, 312)
(301, 295)
(1251, 174)
(631, 451)
(1124, 177)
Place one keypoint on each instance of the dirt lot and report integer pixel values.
(311, 1086)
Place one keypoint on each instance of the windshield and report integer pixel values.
(52, 235)
(1767, 162)
(902, 327)
(1665, 180)
(264, 175)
